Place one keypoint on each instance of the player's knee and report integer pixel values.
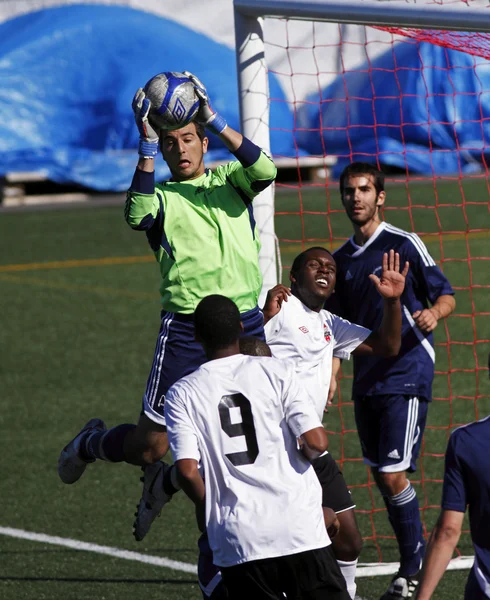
(392, 483)
(156, 446)
(144, 447)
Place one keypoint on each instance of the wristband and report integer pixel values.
(217, 125)
(148, 149)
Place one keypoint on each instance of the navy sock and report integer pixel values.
(106, 445)
(403, 511)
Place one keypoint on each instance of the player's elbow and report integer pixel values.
(187, 469)
(315, 442)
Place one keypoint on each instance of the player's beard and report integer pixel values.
(369, 214)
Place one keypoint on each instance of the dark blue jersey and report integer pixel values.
(467, 483)
(356, 299)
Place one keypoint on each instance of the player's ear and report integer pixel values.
(381, 199)
(292, 278)
(242, 328)
(205, 142)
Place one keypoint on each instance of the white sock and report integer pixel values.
(348, 569)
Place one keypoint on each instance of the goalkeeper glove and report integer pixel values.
(148, 146)
(206, 115)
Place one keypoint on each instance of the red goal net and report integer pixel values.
(409, 102)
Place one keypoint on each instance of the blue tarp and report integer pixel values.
(417, 106)
(68, 75)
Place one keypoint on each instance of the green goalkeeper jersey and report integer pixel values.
(204, 235)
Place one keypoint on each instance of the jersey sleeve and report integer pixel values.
(347, 336)
(251, 180)
(299, 410)
(141, 210)
(426, 274)
(182, 436)
(453, 490)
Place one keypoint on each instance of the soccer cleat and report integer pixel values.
(70, 464)
(401, 588)
(152, 500)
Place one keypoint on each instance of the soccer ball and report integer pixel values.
(174, 102)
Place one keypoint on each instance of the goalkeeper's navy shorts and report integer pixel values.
(178, 354)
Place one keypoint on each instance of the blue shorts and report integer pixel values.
(178, 354)
(390, 430)
(208, 574)
(473, 590)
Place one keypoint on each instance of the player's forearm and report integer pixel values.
(386, 341)
(439, 552)
(231, 138)
(191, 481)
(146, 164)
(444, 306)
(336, 362)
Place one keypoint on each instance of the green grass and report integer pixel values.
(77, 341)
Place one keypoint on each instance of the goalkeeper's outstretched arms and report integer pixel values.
(258, 170)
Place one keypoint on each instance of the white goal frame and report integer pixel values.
(253, 79)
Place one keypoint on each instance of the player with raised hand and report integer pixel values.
(391, 396)
(300, 329)
(200, 226)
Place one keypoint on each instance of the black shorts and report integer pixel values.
(311, 575)
(335, 492)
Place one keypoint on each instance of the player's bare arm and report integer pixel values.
(315, 442)
(427, 319)
(336, 362)
(386, 341)
(275, 297)
(440, 549)
(190, 479)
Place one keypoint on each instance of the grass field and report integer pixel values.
(80, 313)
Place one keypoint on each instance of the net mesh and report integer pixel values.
(439, 191)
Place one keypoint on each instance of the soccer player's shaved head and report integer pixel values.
(217, 322)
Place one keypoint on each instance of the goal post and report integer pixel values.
(253, 73)
(441, 193)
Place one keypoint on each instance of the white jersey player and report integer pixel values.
(239, 417)
(298, 328)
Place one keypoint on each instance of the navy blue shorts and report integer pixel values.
(473, 590)
(178, 354)
(390, 430)
(208, 574)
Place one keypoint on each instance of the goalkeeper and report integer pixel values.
(201, 227)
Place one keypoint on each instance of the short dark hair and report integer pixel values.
(200, 131)
(300, 260)
(253, 346)
(217, 321)
(362, 168)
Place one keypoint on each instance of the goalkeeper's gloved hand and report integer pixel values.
(206, 115)
(148, 147)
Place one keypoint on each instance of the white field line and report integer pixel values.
(363, 569)
(116, 552)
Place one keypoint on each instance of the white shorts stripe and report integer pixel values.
(156, 370)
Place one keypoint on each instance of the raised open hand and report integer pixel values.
(392, 282)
